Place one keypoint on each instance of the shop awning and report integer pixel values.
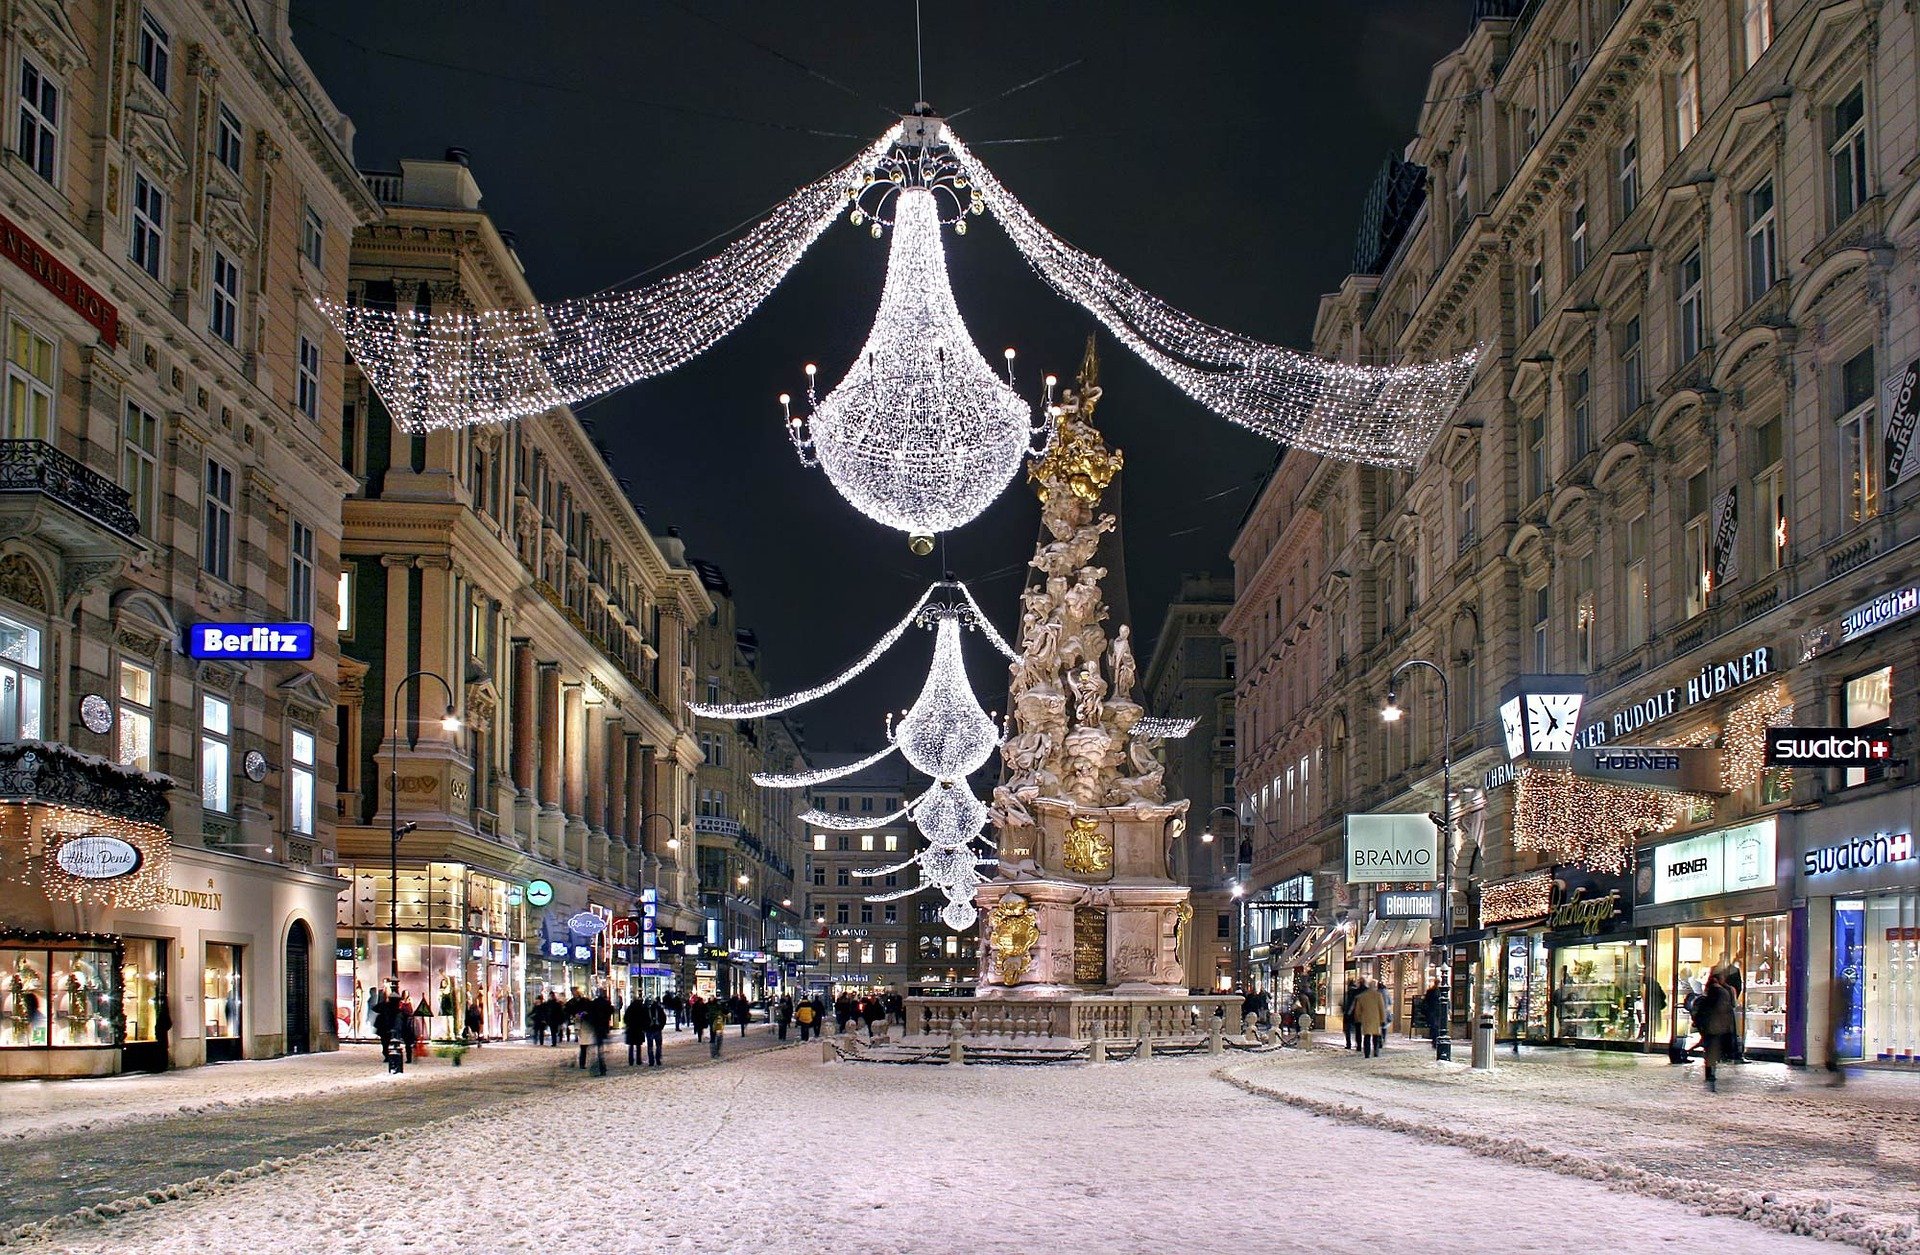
(1328, 940)
(1393, 936)
(1308, 938)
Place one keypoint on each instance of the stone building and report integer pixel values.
(175, 186)
(860, 946)
(504, 574)
(747, 835)
(1190, 675)
(1685, 232)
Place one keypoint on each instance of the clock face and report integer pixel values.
(1510, 724)
(255, 765)
(1551, 722)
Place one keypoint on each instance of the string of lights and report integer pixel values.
(992, 633)
(801, 780)
(849, 823)
(451, 368)
(1381, 415)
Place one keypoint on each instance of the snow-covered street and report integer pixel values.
(775, 1151)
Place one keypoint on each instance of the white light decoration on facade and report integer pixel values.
(945, 734)
(1381, 415)
(800, 780)
(920, 435)
(849, 823)
(1165, 727)
(453, 368)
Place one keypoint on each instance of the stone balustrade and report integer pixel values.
(1073, 1016)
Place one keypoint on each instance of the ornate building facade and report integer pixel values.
(175, 184)
(1686, 232)
(503, 574)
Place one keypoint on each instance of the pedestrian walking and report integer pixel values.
(1713, 1020)
(673, 1003)
(695, 1012)
(1370, 1011)
(1433, 1010)
(476, 1025)
(716, 1026)
(871, 1014)
(556, 1018)
(783, 1014)
(1736, 1047)
(408, 1026)
(596, 1021)
(804, 1014)
(1839, 1018)
(634, 1021)
(654, 1022)
(1346, 1012)
(742, 1011)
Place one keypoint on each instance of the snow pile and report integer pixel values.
(1144, 1156)
(1770, 1148)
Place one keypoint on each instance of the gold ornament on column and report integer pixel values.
(1089, 852)
(1012, 933)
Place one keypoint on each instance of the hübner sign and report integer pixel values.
(1711, 681)
(1386, 849)
(1679, 770)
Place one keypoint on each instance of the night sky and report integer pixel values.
(1216, 154)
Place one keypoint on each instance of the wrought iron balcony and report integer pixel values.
(34, 467)
(56, 774)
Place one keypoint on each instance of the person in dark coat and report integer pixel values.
(384, 1016)
(1433, 1004)
(476, 1024)
(654, 1022)
(1736, 1047)
(1713, 1020)
(596, 1021)
(634, 1020)
(556, 1018)
(695, 1013)
(408, 1026)
(673, 1003)
(1346, 1012)
(872, 1014)
(808, 1015)
(783, 1014)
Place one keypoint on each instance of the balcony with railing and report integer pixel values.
(44, 491)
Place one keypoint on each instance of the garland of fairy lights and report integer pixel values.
(448, 368)
(455, 368)
(849, 823)
(1596, 823)
(1526, 897)
(142, 889)
(800, 780)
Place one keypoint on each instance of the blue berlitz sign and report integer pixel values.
(251, 642)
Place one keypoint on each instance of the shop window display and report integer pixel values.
(58, 997)
(220, 994)
(1877, 969)
(23, 997)
(1599, 992)
(1757, 947)
(143, 985)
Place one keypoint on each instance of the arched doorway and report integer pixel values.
(299, 962)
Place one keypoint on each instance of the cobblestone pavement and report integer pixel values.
(1770, 1127)
(70, 1168)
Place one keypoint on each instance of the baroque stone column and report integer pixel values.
(615, 754)
(551, 824)
(635, 826)
(573, 792)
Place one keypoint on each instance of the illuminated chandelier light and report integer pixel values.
(945, 734)
(452, 368)
(849, 823)
(920, 435)
(1380, 415)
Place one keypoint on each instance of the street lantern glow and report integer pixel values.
(1390, 713)
(450, 722)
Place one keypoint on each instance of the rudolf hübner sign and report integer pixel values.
(1390, 849)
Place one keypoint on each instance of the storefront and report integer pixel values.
(459, 943)
(1712, 902)
(1281, 929)
(1857, 872)
(1513, 958)
(1394, 949)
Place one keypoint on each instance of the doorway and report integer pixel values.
(299, 962)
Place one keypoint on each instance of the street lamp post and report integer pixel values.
(449, 722)
(1443, 924)
(673, 843)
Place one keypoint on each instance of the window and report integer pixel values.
(1542, 610)
(1536, 454)
(1686, 101)
(1580, 413)
(135, 747)
(866, 842)
(155, 52)
(890, 951)
(819, 840)
(306, 379)
(149, 224)
(1696, 499)
(1462, 189)
(1756, 28)
(840, 914)
(300, 784)
(38, 138)
(31, 380)
(1847, 153)
(1638, 588)
(1763, 241)
(1628, 176)
(1577, 237)
(866, 917)
(840, 804)
(841, 877)
(215, 729)
(1632, 369)
(346, 600)
(890, 914)
(1859, 439)
(1692, 317)
(20, 683)
(216, 522)
(300, 572)
(1770, 494)
(892, 843)
(866, 947)
(1536, 292)
(140, 461)
(820, 876)
(843, 843)
(1467, 506)
(227, 134)
(713, 694)
(1223, 925)
(1869, 705)
(1584, 612)
(866, 805)
(223, 316)
(313, 237)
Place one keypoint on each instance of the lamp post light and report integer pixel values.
(450, 722)
(1443, 922)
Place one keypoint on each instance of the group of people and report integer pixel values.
(870, 1010)
(1715, 1014)
(1366, 1008)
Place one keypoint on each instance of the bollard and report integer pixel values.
(1216, 1044)
(1146, 1047)
(826, 1050)
(1483, 1043)
(1097, 1051)
(956, 1049)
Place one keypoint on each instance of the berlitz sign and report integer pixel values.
(1711, 681)
(1827, 747)
(1387, 849)
(251, 642)
(1860, 854)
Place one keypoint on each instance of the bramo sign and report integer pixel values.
(1390, 849)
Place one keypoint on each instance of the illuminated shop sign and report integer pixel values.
(1870, 617)
(789, 945)
(1713, 680)
(1827, 747)
(1390, 848)
(1406, 904)
(1732, 860)
(1689, 770)
(1860, 854)
(97, 858)
(251, 642)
